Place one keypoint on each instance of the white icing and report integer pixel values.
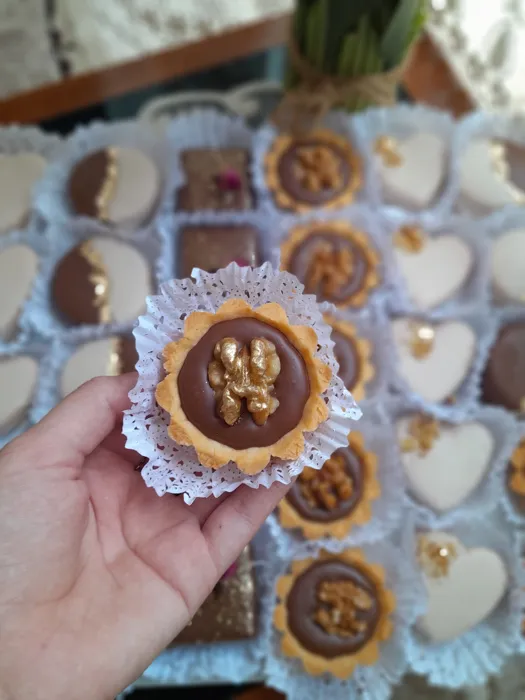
(18, 174)
(508, 266)
(436, 272)
(416, 181)
(129, 278)
(446, 475)
(480, 182)
(18, 267)
(439, 374)
(476, 582)
(137, 187)
(17, 383)
(88, 361)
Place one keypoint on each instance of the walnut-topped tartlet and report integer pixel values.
(243, 385)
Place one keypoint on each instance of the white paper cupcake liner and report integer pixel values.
(340, 122)
(481, 652)
(362, 218)
(203, 128)
(400, 122)
(486, 497)
(40, 314)
(225, 662)
(473, 293)
(368, 682)
(35, 349)
(386, 510)
(169, 227)
(174, 468)
(51, 193)
(468, 393)
(35, 240)
(486, 125)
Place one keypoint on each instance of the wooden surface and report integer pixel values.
(428, 78)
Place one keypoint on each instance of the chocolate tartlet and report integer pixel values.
(243, 385)
(333, 612)
(353, 355)
(504, 378)
(213, 247)
(516, 478)
(229, 613)
(216, 179)
(99, 281)
(330, 501)
(334, 261)
(320, 169)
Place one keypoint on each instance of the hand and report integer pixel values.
(97, 573)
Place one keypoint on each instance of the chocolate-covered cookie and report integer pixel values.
(504, 377)
(18, 267)
(104, 357)
(316, 169)
(118, 185)
(101, 280)
(213, 247)
(230, 611)
(18, 376)
(216, 178)
(354, 355)
(333, 260)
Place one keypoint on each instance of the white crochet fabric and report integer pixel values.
(101, 32)
(26, 58)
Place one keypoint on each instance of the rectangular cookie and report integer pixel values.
(216, 179)
(213, 247)
(230, 612)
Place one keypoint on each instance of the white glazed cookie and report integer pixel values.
(444, 463)
(464, 586)
(433, 368)
(435, 269)
(508, 266)
(18, 377)
(18, 267)
(18, 174)
(413, 179)
(484, 178)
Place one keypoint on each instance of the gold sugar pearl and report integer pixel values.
(388, 148)
(435, 558)
(411, 239)
(422, 340)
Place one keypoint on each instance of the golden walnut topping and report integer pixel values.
(329, 268)
(237, 373)
(318, 168)
(435, 558)
(326, 487)
(422, 432)
(341, 601)
(410, 239)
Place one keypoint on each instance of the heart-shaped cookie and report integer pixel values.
(438, 371)
(464, 586)
(18, 174)
(435, 272)
(17, 384)
(508, 278)
(484, 179)
(449, 471)
(18, 266)
(414, 178)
